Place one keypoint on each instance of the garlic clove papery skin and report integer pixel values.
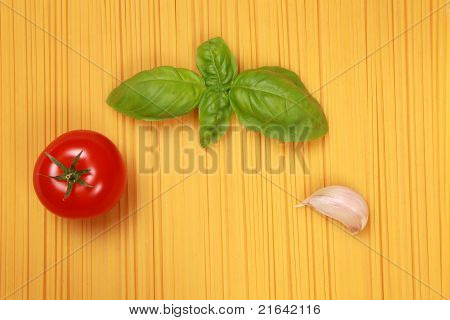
(342, 204)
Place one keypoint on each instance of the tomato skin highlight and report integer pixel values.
(107, 175)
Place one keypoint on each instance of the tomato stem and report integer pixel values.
(70, 175)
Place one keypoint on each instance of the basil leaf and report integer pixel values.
(159, 93)
(214, 116)
(273, 104)
(216, 63)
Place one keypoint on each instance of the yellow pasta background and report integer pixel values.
(379, 69)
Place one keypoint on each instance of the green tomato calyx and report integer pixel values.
(70, 175)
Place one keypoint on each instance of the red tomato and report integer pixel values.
(81, 188)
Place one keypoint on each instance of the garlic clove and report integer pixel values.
(342, 204)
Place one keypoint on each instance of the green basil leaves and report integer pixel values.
(160, 93)
(218, 67)
(276, 104)
(270, 100)
(216, 63)
(214, 116)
